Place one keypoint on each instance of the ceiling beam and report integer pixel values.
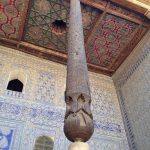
(48, 54)
(113, 12)
(136, 6)
(98, 20)
(93, 30)
(25, 11)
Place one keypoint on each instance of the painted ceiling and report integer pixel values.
(111, 31)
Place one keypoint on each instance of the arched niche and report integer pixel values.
(44, 143)
(17, 78)
(15, 85)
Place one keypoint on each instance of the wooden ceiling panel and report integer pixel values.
(109, 39)
(12, 14)
(111, 30)
(39, 25)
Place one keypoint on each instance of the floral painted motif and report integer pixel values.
(109, 40)
(10, 17)
(5, 138)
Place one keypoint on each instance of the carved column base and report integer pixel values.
(79, 146)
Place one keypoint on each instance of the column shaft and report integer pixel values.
(78, 125)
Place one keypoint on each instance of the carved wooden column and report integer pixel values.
(78, 124)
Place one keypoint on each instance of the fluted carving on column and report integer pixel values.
(78, 124)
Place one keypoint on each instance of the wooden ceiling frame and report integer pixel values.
(24, 16)
(119, 60)
(99, 19)
(113, 12)
(48, 54)
(135, 5)
(54, 55)
(88, 2)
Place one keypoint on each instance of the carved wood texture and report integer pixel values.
(78, 123)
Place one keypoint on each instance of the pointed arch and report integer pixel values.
(15, 85)
(17, 81)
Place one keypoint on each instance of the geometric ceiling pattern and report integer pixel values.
(43, 13)
(39, 24)
(111, 31)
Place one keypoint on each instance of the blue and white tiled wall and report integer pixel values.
(132, 82)
(39, 109)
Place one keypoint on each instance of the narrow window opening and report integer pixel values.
(15, 85)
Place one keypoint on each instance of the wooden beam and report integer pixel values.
(93, 30)
(10, 43)
(93, 4)
(48, 54)
(24, 17)
(99, 19)
(98, 69)
(134, 5)
(113, 12)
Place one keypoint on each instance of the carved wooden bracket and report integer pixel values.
(78, 118)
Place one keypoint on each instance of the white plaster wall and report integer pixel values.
(40, 109)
